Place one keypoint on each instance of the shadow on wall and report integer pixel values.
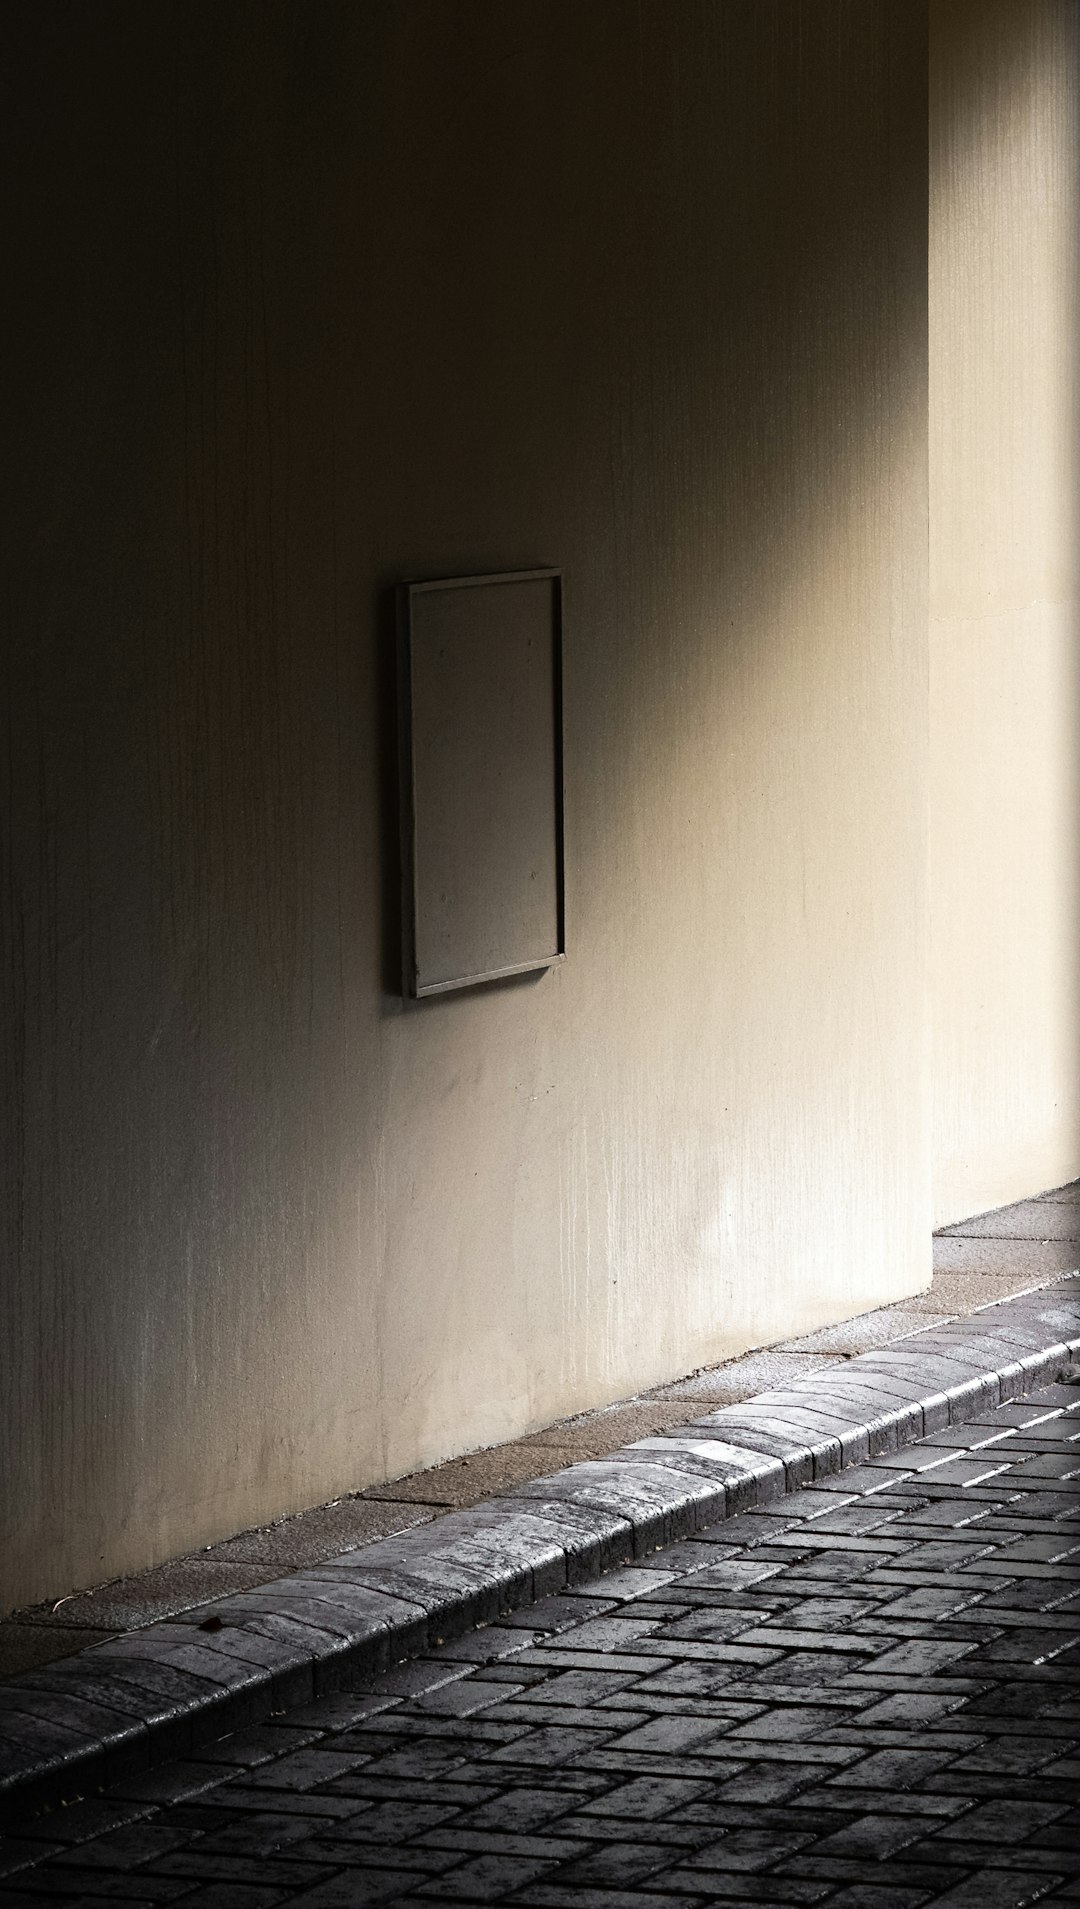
(707, 379)
(312, 299)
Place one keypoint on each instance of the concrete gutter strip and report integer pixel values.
(121, 1706)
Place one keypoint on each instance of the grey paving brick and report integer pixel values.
(751, 1848)
(1030, 1860)
(1049, 1547)
(551, 1744)
(78, 1822)
(1000, 1703)
(936, 1554)
(260, 1743)
(1026, 1646)
(634, 1581)
(921, 1657)
(933, 1602)
(989, 1889)
(467, 1839)
(555, 1613)
(20, 1852)
(171, 1782)
(839, 1642)
(132, 1845)
(566, 1896)
(873, 1836)
(610, 1633)
(1046, 1464)
(784, 1724)
(894, 1769)
(924, 1804)
(676, 1733)
(797, 1671)
(468, 1698)
(305, 1769)
(1067, 1768)
(75, 1881)
(607, 1712)
(711, 1624)
(1029, 1427)
(873, 1896)
(911, 1709)
(231, 1895)
(241, 1800)
(521, 1809)
(906, 1869)
(928, 1513)
(618, 1865)
(418, 1761)
(562, 1655)
(816, 1758)
(646, 1798)
(394, 1821)
(874, 1729)
(1002, 1822)
(760, 1783)
(417, 1863)
(412, 1679)
(584, 1686)
(744, 1887)
(352, 1889)
(692, 1680)
(258, 1834)
(838, 1566)
(674, 1835)
(488, 1878)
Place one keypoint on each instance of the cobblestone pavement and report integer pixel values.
(864, 1695)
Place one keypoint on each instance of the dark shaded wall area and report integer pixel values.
(304, 299)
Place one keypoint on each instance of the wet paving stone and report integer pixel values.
(825, 1702)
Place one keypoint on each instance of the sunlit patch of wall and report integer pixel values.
(319, 297)
(1005, 598)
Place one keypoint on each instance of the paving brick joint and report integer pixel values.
(862, 1693)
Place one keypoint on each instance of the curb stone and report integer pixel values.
(119, 1707)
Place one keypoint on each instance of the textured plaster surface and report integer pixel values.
(310, 300)
(1004, 599)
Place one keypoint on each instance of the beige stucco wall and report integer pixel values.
(312, 298)
(1004, 598)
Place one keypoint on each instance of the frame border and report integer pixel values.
(411, 987)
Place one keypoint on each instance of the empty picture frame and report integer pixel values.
(480, 699)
